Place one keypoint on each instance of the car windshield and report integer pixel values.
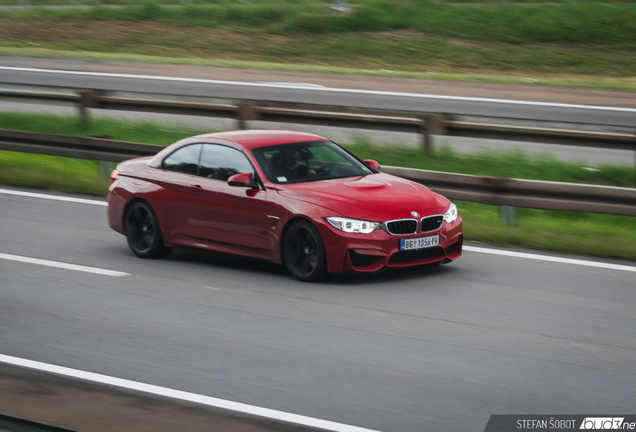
(308, 161)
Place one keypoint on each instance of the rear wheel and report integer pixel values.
(304, 252)
(143, 233)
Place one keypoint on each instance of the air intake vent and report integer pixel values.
(402, 227)
(432, 223)
(416, 255)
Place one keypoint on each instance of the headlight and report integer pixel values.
(451, 214)
(353, 225)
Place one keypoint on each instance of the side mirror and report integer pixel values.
(372, 164)
(242, 180)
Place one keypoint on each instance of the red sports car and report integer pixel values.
(293, 198)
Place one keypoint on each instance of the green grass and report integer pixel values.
(568, 232)
(580, 44)
(53, 173)
(277, 4)
(511, 164)
(135, 131)
(509, 22)
(67, 174)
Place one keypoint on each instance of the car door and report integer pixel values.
(224, 214)
(175, 177)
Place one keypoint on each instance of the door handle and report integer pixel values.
(196, 188)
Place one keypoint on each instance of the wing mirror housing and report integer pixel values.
(242, 180)
(372, 164)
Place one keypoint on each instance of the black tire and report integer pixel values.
(304, 252)
(143, 232)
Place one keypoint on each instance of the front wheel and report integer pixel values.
(304, 252)
(143, 233)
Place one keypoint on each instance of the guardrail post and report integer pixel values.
(432, 125)
(635, 154)
(105, 167)
(246, 112)
(86, 101)
(508, 214)
(83, 108)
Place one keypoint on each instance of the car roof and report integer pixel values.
(260, 137)
(248, 139)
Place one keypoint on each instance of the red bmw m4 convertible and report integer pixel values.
(293, 198)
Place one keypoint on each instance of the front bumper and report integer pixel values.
(372, 252)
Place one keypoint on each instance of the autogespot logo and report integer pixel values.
(606, 423)
(561, 422)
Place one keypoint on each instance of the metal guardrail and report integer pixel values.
(94, 148)
(487, 190)
(424, 124)
(10, 424)
(525, 193)
(621, 141)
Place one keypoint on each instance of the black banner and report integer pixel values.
(552, 423)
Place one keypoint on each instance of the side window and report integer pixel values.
(185, 160)
(220, 162)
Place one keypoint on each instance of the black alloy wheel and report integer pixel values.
(143, 233)
(304, 252)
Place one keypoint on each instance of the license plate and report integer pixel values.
(419, 243)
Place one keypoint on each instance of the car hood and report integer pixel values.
(376, 197)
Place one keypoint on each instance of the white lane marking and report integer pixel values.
(53, 197)
(322, 89)
(294, 84)
(61, 265)
(182, 395)
(550, 258)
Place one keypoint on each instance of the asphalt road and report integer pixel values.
(422, 349)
